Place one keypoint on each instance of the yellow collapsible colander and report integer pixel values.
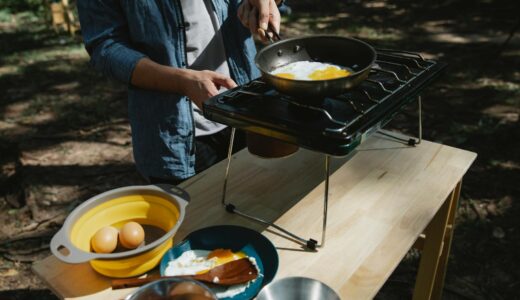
(162, 206)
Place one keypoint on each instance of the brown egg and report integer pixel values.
(104, 240)
(131, 235)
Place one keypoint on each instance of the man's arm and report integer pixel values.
(106, 37)
(105, 34)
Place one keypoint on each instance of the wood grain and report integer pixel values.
(380, 201)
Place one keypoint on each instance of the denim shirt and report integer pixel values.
(118, 33)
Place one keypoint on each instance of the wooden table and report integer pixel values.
(383, 199)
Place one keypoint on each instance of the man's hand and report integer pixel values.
(197, 85)
(202, 85)
(257, 14)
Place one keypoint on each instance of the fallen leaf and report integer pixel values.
(9, 273)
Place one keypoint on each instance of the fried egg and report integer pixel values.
(200, 261)
(194, 262)
(310, 70)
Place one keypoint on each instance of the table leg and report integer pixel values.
(434, 258)
(443, 263)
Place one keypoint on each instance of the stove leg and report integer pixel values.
(230, 152)
(325, 201)
(310, 243)
(419, 104)
(410, 141)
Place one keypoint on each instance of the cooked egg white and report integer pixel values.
(190, 263)
(310, 70)
(200, 261)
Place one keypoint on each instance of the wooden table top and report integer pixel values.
(381, 199)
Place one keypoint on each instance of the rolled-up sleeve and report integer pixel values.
(106, 36)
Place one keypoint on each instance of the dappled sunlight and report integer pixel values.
(388, 34)
(505, 113)
(51, 93)
(11, 131)
(507, 165)
(9, 70)
(16, 110)
(40, 118)
(449, 37)
(58, 53)
(77, 153)
(63, 124)
(445, 31)
(500, 85)
(30, 38)
(511, 53)
(463, 83)
(55, 194)
(339, 23)
(431, 55)
(66, 87)
(378, 4)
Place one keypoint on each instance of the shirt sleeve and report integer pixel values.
(280, 3)
(106, 36)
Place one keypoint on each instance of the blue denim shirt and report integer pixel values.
(117, 33)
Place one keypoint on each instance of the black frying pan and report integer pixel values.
(347, 52)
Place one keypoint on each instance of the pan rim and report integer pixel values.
(266, 48)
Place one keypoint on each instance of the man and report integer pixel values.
(174, 55)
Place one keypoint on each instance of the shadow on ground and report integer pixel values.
(25, 294)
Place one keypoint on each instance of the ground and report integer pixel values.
(64, 133)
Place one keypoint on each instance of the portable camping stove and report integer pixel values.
(335, 125)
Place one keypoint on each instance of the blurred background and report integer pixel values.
(64, 133)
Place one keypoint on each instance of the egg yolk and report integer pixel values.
(328, 73)
(286, 75)
(223, 256)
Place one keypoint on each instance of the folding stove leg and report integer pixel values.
(325, 200)
(310, 243)
(410, 141)
(419, 107)
(230, 151)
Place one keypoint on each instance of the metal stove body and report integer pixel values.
(335, 125)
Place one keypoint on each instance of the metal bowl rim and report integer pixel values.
(290, 278)
(148, 285)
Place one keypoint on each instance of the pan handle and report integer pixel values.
(274, 36)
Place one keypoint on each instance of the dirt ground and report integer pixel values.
(64, 134)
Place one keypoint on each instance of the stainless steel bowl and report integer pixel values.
(297, 288)
(173, 289)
